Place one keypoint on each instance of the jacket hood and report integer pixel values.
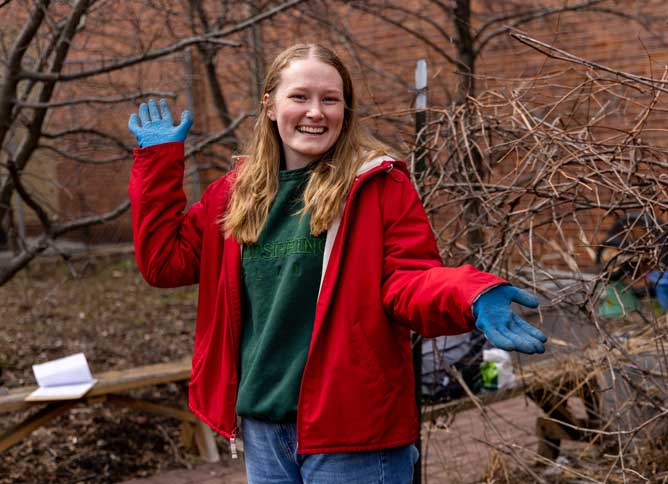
(372, 163)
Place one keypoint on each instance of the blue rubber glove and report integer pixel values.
(156, 128)
(501, 326)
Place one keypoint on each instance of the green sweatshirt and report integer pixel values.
(281, 277)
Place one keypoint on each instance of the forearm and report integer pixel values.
(436, 301)
(166, 240)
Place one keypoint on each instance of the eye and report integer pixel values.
(297, 97)
(331, 100)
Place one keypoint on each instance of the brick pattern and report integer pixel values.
(203, 474)
(504, 64)
(460, 453)
(382, 59)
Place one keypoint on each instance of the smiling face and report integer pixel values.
(308, 108)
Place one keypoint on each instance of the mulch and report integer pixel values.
(102, 307)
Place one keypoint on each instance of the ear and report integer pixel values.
(270, 112)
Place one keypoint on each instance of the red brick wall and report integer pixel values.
(382, 58)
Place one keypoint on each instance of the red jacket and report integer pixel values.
(382, 278)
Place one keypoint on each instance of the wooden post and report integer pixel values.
(25, 428)
(420, 122)
(205, 442)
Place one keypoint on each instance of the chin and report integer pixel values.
(321, 150)
(314, 153)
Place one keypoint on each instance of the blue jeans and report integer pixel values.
(270, 454)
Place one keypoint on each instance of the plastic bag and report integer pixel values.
(496, 370)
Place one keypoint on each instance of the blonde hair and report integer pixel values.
(256, 182)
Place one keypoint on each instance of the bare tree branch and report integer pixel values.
(11, 79)
(555, 53)
(41, 64)
(122, 63)
(27, 198)
(84, 161)
(31, 139)
(520, 19)
(95, 133)
(214, 37)
(532, 14)
(208, 54)
(23, 258)
(63, 228)
(422, 36)
(96, 100)
(217, 137)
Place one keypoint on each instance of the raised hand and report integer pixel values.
(157, 126)
(501, 326)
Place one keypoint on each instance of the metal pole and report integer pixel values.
(420, 122)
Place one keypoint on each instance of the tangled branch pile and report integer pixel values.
(527, 181)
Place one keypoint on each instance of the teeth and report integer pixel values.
(311, 129)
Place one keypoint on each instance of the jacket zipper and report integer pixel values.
(236, 344)
(233, 443)
(367, 175)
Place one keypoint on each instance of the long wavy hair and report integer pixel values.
(256, 181)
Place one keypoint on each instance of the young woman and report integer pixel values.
(315, 260)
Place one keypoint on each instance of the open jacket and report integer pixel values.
(382, 277)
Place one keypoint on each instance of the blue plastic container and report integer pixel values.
(659, 280)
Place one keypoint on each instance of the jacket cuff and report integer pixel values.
(173, 150)
(487, 289)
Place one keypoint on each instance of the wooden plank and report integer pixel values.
(110, 382)
(23, 429)
(15, 400)
(116, 381)
(157, 409)
(540, 374)
(187, 434)
(432, 412)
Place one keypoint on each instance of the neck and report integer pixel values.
(291, 160)
(293, 164)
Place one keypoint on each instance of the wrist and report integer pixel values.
(160, 146)
(484, 292)
(154, 141)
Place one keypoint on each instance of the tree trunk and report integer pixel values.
(473, 212)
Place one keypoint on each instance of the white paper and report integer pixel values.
(64, 378)
(63, 371)
(63, 392)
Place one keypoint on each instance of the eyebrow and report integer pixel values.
(327, 91)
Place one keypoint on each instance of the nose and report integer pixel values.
(314, 112)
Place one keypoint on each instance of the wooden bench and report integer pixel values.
(109, 388)
(551, 383)
(546, 382)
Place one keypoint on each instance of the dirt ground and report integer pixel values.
(109, 313)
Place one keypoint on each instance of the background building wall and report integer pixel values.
(381, 53)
